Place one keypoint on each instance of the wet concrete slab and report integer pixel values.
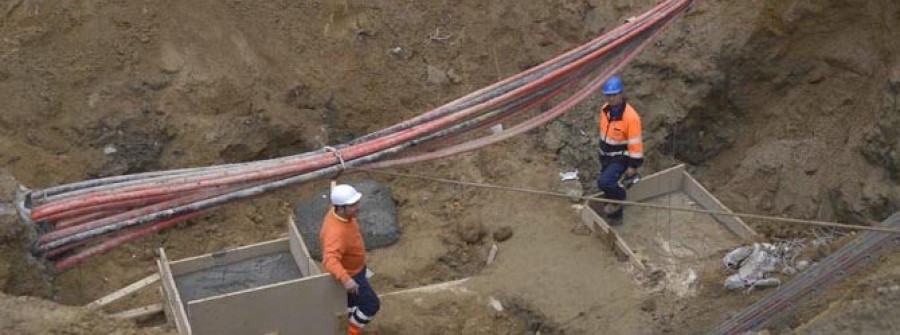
(237, 276)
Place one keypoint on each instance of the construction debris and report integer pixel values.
(492, 254)
(496, 304)
(754, 264)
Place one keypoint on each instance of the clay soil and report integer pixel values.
(752, 95)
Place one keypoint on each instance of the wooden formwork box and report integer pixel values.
(312, 304)
(661, 183)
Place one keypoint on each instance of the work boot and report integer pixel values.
(609, 208)
(613, 214)
(614, 220)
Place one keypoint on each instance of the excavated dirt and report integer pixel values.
(780, 107)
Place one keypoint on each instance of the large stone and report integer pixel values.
(377, 217)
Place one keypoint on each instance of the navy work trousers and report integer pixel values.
(363, 305)
(608, 182)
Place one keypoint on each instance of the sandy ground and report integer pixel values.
(565, 279)
(753, 95)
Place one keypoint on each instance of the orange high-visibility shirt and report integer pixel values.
(621, 138)
(343, 249)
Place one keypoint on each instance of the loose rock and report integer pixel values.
(503, 233)
(471, 232)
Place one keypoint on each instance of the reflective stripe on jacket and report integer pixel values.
(620, 138)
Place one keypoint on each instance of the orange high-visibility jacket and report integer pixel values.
(620, 138)
(343, 250)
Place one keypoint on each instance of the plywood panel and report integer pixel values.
(696, 191)
(303, 306)
(167, 307)
(298, 249)
(229, 256)
(662, 182)
(171, 297)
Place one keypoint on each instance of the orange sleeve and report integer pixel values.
(635, 140)
(332, 250)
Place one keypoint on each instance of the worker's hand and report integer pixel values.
(351, 286)
(630, 171)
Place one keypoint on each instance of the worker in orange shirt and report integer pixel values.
(344, 256)
(621, 146)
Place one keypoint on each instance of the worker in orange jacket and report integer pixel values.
(344, 256)
(621, 146)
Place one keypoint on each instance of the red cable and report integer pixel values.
(353, 152)
(107, 245)
(139, 194)
(523, 127)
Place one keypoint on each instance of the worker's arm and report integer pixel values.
(332, 251)
(635, 150)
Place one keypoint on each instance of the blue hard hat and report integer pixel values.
(613, 86)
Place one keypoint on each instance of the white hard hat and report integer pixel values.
(342, 195)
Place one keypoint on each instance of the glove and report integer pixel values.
(351, 286)
(629, 181)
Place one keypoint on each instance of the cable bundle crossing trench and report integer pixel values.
(80, 220)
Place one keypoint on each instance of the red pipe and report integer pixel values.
(352, 152)
(532, 70)
(528, 125)
(121, 204)
(107, 245)
(84, 218)
(135, 193)
(59, 251)
(491, 121)
(187, 199)
(326, 159)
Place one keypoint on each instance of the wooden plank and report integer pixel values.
(309, 304)
(429, 288)
(305, 263)
(168, 310)
(589, 217)
(610, 237)
(701, 195)
(171, 296)
(139, 312)
(134, 287)
(659, 183)
(228, 256)
(629, 253)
